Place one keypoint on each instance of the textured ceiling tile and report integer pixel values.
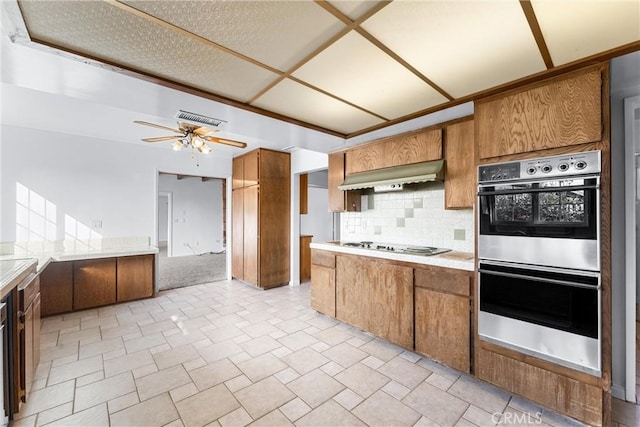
(354, 9)
(276, 33)
(576, 29)
(103, 31)
(295, 100)
(368, 77)
(462, 46)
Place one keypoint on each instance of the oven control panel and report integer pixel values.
(585, 163)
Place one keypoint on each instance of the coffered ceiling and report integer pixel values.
(343, 67)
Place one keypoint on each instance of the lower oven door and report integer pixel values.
(546, 312)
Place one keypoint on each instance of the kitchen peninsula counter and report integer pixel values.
(456, 260)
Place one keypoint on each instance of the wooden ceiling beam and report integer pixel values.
(530, 14)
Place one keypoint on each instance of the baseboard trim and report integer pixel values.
(618, 392)
(294, 283)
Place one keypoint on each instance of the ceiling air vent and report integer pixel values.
(199, 119)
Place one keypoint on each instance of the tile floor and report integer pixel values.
(226, 354)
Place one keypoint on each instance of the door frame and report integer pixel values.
(632, 161)
(169, 196)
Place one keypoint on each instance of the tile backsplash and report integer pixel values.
(411, 218)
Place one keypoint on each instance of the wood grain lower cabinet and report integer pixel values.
(443, 327)
(305, 257)
(56, 288)
(376, 296)
(323, 290)
(443, 315)
(134, 277)
(94, 283)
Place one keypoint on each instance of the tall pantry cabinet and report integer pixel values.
(261, 185)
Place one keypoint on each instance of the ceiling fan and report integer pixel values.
(190, 136)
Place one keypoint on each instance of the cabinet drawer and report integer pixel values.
(326, 259)
(27, 292)
(444, 280)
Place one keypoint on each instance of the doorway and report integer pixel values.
(191, 230)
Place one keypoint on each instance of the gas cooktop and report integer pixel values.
(390, 247)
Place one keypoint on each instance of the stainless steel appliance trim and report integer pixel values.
(578, 254)
(540, 268)
(539, 279)
(538, 190)
(560, 347)
(539, 180)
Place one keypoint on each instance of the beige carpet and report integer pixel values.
(177, 272)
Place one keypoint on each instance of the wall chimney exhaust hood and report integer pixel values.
(408, 174)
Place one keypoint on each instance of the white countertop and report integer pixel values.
(11, 269)
(46, 252)
(457, 260)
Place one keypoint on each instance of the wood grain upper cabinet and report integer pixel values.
(443, 314)
(251, 168)
(135, 277)
(94, 283)
(460, 180)
(413, 147)
(56, 288)
(260, 219)
(564, 111)
(365, 158)
(237, 176)
(340, 201)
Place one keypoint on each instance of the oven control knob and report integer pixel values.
(581, 164)
(563, 167)
(546, 168)
(531, 170)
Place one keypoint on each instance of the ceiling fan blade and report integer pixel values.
(204, 131)
(162, 138)
(225, 141)
(140, 122)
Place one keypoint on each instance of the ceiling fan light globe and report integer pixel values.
(197, 142)
(177, 146)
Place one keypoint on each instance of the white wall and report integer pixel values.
(91, 179)
(196, 213)
(625, 82)
(318, 222)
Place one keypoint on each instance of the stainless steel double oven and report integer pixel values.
(539, 258)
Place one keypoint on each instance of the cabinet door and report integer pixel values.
(237, 234)
(237, 176)
(251, 238)
(305, 257)
(94, 283)
(460, 181)
(391, 302)
(36, 331)
(135, 277)
(442, 327)
(323, 290)
(340, 201)
(56, 288)
(566, 111)
(414, 147)
(364, 159)
(251, 168)
(28, 343)
(352, 291)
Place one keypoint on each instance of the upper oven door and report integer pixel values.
(566, 208)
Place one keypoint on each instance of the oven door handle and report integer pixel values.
(537, 190)
(538, 279)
